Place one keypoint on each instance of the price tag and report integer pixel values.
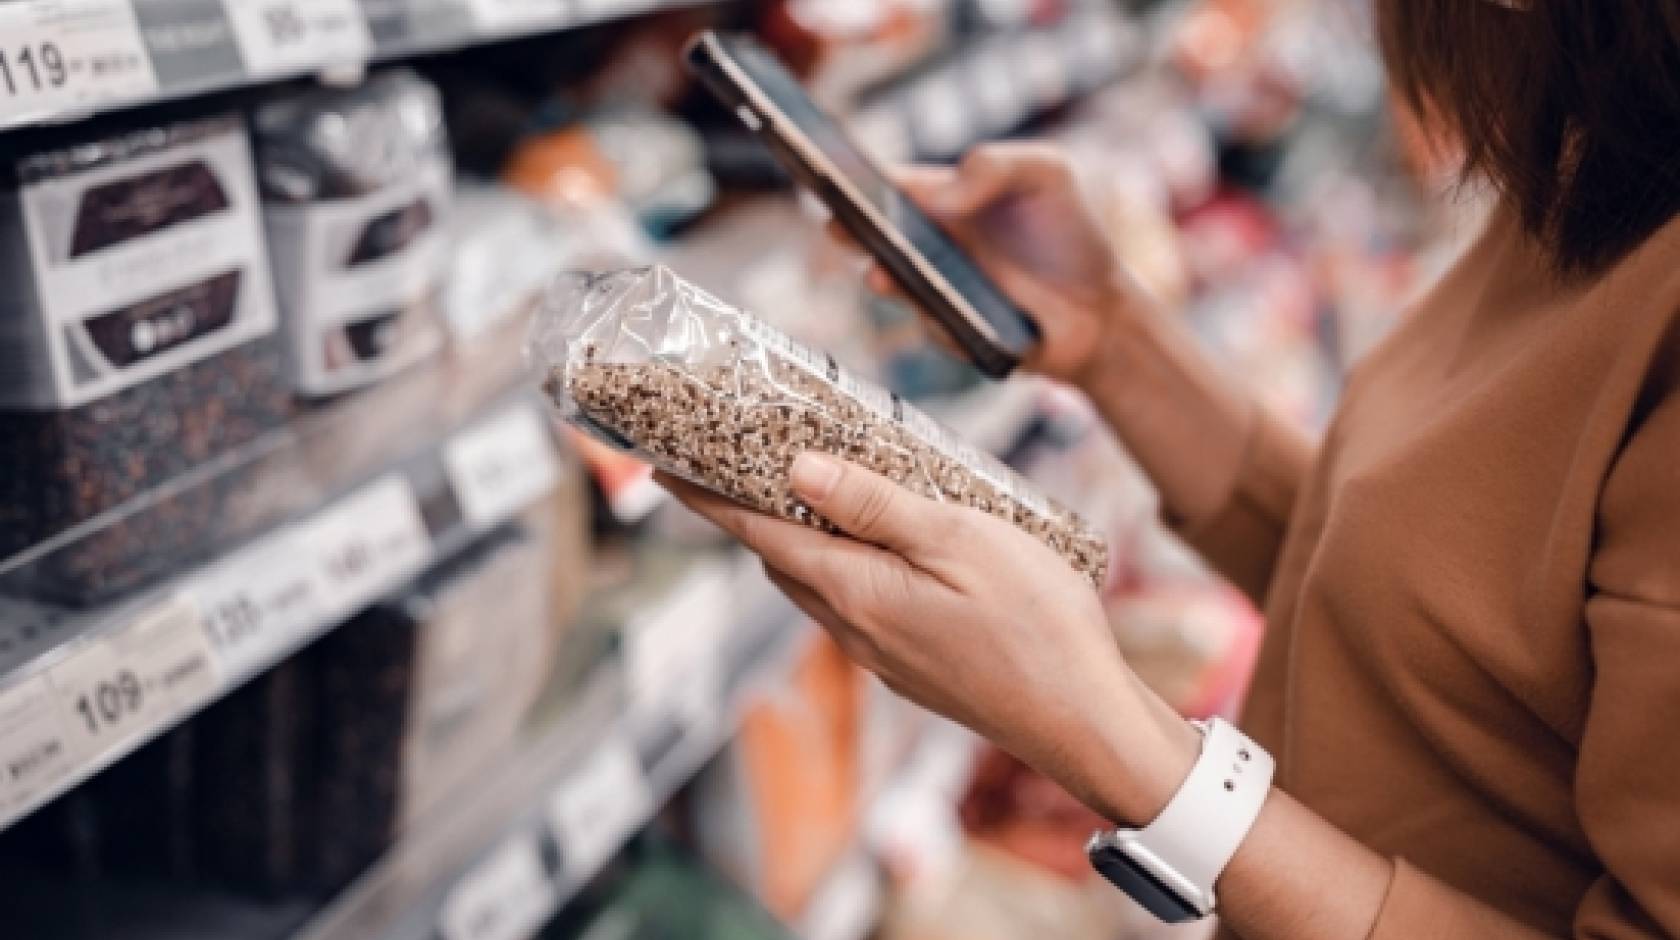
(1039, 63)
(997, 89)
(939, 113)
(673, 654)
(500, 16)
(606, 9)
(132, 681)
(280, 36)
(61, 55)
(367, 544)
(501, 466)
(506, 897)
(260, 604)
(35, 753)
(599, 806)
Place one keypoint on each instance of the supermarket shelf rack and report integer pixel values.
(65, 60)
(79, 691)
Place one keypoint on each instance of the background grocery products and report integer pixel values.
(315, 624)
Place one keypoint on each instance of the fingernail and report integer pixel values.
(814, 476)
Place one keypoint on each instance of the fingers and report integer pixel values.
(865, 505)
(814, 558)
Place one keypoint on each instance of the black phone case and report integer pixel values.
(992, 360)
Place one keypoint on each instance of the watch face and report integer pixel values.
(1142, 887)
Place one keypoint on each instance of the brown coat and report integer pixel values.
(1473, 593)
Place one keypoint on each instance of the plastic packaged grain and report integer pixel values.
(707, 392)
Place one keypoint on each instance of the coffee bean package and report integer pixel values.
(357, 186)
(137, 335)
(647, 361)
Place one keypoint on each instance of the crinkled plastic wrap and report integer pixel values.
(653, 364)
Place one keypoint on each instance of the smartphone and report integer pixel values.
(817, 151)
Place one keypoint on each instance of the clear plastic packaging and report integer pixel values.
(653, 364)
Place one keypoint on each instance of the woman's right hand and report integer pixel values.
(1017, 210)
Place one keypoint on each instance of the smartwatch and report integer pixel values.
(1170, 866)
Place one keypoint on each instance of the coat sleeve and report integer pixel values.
(1627, 785)
(1242, 536)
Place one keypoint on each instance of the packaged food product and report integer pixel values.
(137, 344)
(357, 186)
(648, 361)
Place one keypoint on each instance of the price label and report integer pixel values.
(62, 55)
(133, 680)
(506, 897)
(501, 466)
(500, 16)
(367, 544)
(606, 9)
(997, 89)
(1039, 63)
(279, 36)
(599, 806)
(261, 604)
(35, 753)
(939, 112)
(673, 654)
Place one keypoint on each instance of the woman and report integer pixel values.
(1473, 587)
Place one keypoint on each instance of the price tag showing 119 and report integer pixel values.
(69, 54)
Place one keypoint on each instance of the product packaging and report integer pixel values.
(420, 694)
(357, 187)
(782, 804)
(137, 343)
(707, 392)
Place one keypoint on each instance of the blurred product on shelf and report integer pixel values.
(657, 893)
(780, 807)
(356, 186)
(504, 248)
(647, 161)
(136, 346)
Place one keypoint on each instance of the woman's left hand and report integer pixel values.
(969, 616)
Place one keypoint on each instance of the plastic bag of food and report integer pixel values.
(709, 393)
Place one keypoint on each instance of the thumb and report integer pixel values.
(865, 505)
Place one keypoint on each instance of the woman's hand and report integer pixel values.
(967, 615)
(1017, 209)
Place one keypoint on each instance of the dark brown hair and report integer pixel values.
(1570, 107)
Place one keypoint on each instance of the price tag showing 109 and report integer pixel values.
(62, 55)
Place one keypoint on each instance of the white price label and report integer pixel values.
(939, 112)
(261, 603)
(997, 89)
(599, 806)
(673, 653)
(35, 753)
(507, 897)
(496, 16)
(1039, 62)
(501, 466)
(133, 680)
(367, 544)
(603, 9)
(278, 36)
(61, 55)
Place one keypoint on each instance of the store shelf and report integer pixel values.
(80, 690)
(993, 85)
(498, 865)
(68, 59)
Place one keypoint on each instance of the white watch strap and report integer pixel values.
(1207, 820)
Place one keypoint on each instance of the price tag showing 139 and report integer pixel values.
(64, 55)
